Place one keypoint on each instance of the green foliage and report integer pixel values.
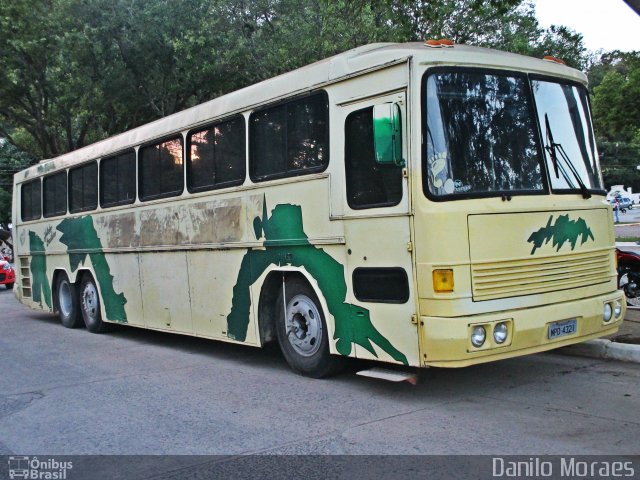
(619, 161)
(616, 96)
(76, 71)
(614, 80)
(12, 160)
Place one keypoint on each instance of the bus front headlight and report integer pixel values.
(500, 332)
(478, 335)
(617, 308)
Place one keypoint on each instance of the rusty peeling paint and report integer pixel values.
(161, 226)
(121, 230)
(216, 222)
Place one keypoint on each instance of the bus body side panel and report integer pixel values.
(291, 226)
(33, 278)
(378, 237)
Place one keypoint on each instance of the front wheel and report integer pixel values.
(90, 306)
(302, 332)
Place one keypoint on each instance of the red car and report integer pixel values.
(7, 275)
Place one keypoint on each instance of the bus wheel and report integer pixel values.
(67, 302)
(302, 332)
(90, 306)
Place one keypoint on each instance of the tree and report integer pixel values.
(12, 160)
(36, 94)
(619, 161)
(616, 96)
(76, 71)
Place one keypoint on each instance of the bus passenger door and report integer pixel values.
(375, 210)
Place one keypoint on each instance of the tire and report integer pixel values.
(631, 292)
(9, 286)
(302, 332)
(66, 302)
(90, 306)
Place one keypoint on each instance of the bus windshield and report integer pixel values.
(481, 135)
(564, 119)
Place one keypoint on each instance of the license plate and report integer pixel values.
(563, 328)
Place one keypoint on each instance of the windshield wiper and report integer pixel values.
(552, 148)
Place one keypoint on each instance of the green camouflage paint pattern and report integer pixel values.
(40, 289)
(286, 244)
(81, 239)
(562, 231)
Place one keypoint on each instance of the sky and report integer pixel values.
(604, 24)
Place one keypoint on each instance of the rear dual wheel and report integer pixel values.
(66, 302)
(76, 307)
(90, 305)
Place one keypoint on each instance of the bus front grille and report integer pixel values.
(493, 280)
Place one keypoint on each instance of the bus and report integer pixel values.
(420, 204)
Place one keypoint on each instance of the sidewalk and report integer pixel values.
(630, 329)
(623, 346)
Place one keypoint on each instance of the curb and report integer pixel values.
(605, 349)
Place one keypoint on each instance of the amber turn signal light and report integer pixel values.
(443, 280)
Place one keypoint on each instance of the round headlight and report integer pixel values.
(617, 308)
(478, 335)
(6, 266)
(607, 312)
(500, 332)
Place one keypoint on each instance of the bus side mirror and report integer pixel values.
(387, 134)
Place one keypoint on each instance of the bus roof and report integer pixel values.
(307, 78)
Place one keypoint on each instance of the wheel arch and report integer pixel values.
(269, 294)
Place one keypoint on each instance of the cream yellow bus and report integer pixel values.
(423, 205)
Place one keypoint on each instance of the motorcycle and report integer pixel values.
(629, 276)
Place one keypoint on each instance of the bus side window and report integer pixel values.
(160, 169)
(31, 200)
(83, 188)
(118, 179)
(216, 156)
(369, 184)
(290, 139)
(55, 194)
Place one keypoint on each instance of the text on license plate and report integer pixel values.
(560, 329)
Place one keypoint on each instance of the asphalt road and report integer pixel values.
(629, 225)
(139, 392)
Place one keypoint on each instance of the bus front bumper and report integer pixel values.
(446, 342)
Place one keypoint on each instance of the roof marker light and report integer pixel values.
(443, 42)
(551, 58)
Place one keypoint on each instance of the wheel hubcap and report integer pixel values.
(90, 300)
(304, 325)
(65, 300)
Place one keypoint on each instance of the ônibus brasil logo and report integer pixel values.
(33, 468)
